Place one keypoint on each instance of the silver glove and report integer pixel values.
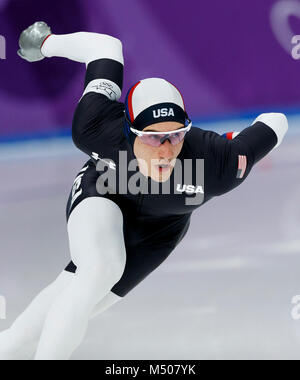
(31, 40)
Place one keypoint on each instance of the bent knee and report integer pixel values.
(103, 271)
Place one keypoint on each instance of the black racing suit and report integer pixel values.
(154, 224)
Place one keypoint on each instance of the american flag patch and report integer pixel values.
(242, 166)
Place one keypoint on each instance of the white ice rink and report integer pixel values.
(225, 293)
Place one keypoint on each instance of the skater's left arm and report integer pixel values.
(231, 159)
(276, 121)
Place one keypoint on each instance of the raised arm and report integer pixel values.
(276, 121)
(103, 57)
(229, 160)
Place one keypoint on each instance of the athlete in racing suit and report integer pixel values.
(118, 238)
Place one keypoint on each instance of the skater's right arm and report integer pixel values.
(98, 110)
(103, 57)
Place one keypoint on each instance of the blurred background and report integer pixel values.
(226, 291)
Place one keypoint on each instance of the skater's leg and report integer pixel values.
(19, 342)
(109, 300)
(97, 247)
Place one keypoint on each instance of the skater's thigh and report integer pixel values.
(95, 230)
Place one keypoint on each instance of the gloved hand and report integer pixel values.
(31, 40)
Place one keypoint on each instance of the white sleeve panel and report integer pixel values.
(83, 47)
(234, 134)
(276, 121)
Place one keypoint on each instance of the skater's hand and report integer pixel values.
(31, 40)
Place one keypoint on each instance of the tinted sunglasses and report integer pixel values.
(156, 139)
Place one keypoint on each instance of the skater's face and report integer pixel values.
(158, 162)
